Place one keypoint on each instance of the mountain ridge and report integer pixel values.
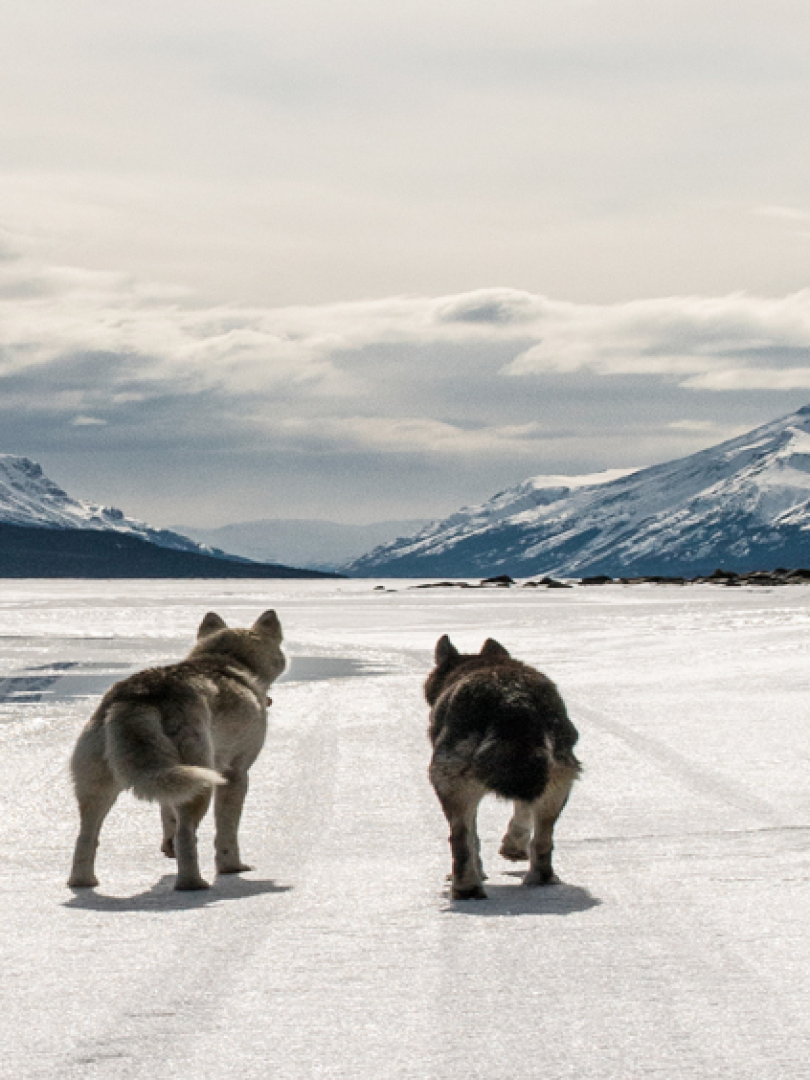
(44, 532)
(744, 503)
(30, 498)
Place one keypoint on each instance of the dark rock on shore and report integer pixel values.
(726, 578)
(546, 582)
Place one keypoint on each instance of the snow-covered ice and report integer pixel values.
(676, 948)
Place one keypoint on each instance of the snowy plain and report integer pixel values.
(676, 947)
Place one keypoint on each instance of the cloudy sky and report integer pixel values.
(362, 260)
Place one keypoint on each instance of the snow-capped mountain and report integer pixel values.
(29, 497)
(46, 533)
(743, 505)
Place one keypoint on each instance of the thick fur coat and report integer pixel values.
(176, 734)
(498, 725)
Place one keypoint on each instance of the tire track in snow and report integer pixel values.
(341, 984)
(695, 778)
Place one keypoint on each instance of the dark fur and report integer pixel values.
(498, 725)
(504, 710)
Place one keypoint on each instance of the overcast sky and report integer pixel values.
(362, 260)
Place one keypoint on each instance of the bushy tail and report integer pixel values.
(144, 758)
(512, 768)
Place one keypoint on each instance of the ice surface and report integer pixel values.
(677, 948)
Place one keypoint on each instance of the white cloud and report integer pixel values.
(697, 341)
(692, 425)
(751, 378)
(417, 435)
(784, 213)
(331, 357)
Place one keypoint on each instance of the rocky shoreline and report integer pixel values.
(726, 578)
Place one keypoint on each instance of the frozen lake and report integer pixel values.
(677, 946)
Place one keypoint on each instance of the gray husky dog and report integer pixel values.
(498, 725)
(174, 735)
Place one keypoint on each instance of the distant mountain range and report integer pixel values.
(316, 544)
(46, 533)
(743, 505)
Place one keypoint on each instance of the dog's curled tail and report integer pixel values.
(144, 759)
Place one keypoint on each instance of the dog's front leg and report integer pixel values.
(228, 803)
(189, 816)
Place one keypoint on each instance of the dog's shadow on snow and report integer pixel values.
(163, 896)
(505, 900)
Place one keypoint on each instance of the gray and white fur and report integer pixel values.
(176, 735)
(498, 725)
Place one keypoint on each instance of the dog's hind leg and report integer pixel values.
(94, 805)
(459, 800)
(96, 791)
(546, 810)
(169, 819)
(515, 843)
(189, 816)
(228, 803)
(477, 850)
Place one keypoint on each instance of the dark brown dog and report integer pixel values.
(498, 725)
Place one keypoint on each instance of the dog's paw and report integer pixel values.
(513, 852)
(234, 868)
(167, 847)
(474, 892)
(82, 881)
(190, 884)
(536, 879)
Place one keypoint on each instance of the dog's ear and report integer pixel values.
(445, 650)
(210, 624)
(268, 623)
(493, 650)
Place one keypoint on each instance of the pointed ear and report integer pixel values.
(445, 650)
(210, 624)
(268, 623)
(493, 650)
